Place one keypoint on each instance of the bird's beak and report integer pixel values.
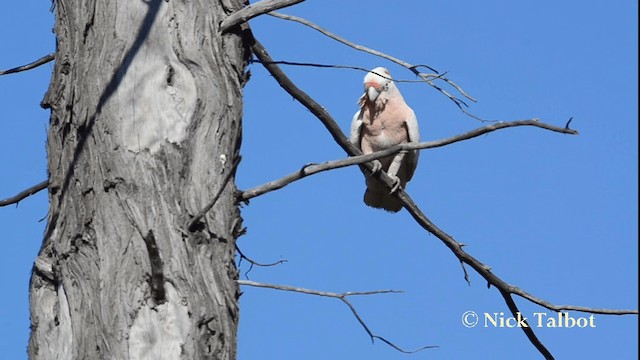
(372, 93)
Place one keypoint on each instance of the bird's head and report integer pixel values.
(377, 81)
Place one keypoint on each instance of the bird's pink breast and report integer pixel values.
(386, 128)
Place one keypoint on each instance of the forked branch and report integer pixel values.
(342, 297)
(253, 262)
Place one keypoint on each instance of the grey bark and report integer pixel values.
(146, 106)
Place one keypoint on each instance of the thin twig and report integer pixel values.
(225, 180)
(413, 68)
(412, 208)
(342, 297)
(337, 66)
(311, 169)
(351, 44)
(253, 10)
(253, 262)
(43, 60)
(466, 274)
(24, 193)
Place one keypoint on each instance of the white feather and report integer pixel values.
(354, 134)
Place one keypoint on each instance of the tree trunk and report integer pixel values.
(146, 106)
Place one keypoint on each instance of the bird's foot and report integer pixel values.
(396, 183)
(377, 166)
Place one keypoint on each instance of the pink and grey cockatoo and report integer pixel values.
(385, 120)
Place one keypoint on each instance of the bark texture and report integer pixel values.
(146, 106)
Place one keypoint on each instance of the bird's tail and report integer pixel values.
(379, 197)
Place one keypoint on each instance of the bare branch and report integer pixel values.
(43, 60)
(506, 290)
(311, 169)
(295, 176)
(315, 292)
(526, 329)
(225, 180)
(315, 108)
(253, 10)
(337, 66)
(485, 271)
(456, 247)
(351, 67)
(558, 308)
(466, 274)
(24, 193)
(345, 41)
(252, 262)
(428, 78)
(342, 297)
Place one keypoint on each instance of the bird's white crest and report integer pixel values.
(376, 81)
(378, 76)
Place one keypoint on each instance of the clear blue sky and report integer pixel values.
(551, 213)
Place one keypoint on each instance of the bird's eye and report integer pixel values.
(386, 86)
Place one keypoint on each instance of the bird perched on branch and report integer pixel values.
(385, 120)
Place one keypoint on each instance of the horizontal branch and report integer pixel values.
(315, 292)
(312, 169)
(342, 297)
(253, 10)
(43, 60)
(337, 66)
(305, 171)
(558, 308)
(24, 193)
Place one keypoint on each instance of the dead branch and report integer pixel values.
(558, 308)
(342, 297)
(506, 289)
(466, 274)
(253, 262)
(337, 66)
(24, 193)
(315, 108)
(305, 171)
(43, 60)
(345, 41)
(311, 169)
(253, 10)
(428, 78)
(528, 331)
